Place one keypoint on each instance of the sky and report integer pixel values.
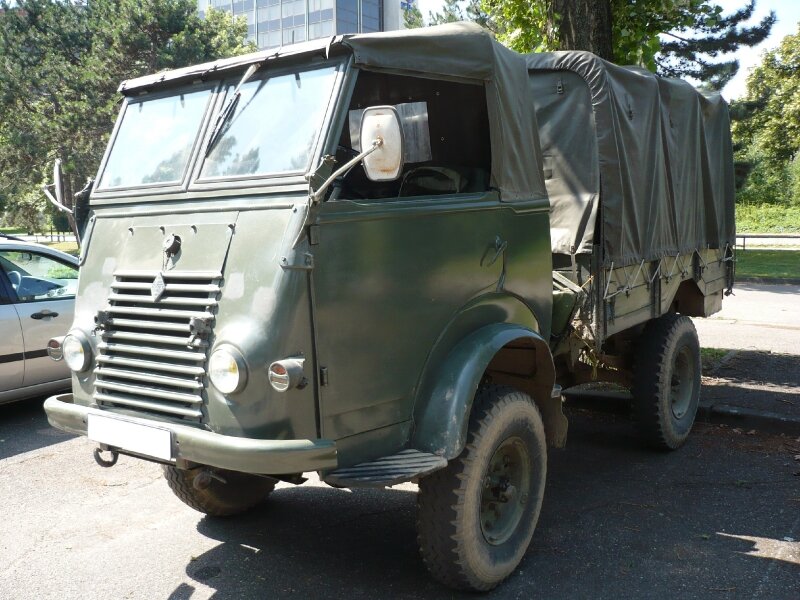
(787, 11)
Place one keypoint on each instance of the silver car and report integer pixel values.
(37, 298)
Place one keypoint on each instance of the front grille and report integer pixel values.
(152, 353)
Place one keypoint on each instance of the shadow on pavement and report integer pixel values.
(618, 521)
(24, 427)
(758, 380)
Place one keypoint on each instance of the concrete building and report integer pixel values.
(273, 23)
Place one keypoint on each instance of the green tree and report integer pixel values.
(412, 18)
(633, 32)
(767, 135)
(62, 63)
(706, 34)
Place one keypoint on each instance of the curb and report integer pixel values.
(618, 403)
(768, 280)
(725, 414)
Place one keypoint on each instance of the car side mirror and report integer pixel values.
(382, 123)
(58, 181)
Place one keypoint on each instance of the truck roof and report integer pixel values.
(455, 51)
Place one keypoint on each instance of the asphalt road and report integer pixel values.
(718, 519)
(756, 317)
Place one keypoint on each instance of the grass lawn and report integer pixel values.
(710, 357)
(768, 263)
(13, 230)
(68, 247)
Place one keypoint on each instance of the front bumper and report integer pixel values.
(268, 457)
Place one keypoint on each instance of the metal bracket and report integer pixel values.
(302, 262)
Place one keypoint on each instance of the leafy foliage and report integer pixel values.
(773, 96)
(62, 63)
(698, 32)
(711, 35)
(412, 18)
(767, 132)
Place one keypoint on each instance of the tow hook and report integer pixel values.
(203, 479)
(107, 463)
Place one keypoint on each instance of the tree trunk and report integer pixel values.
(585, 25)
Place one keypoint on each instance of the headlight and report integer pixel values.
(227, 370)
(77, 353)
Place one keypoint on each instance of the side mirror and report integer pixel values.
(386, 162)
(58, 181)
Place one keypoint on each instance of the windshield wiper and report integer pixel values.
(227, 111)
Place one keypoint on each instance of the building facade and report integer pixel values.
(272, 23)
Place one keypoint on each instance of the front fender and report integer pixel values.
(441, 417)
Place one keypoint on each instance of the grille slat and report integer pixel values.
(142, 299)
(149, 365)
(152, 353)
(147, 390)
(150, 338)
(149, 351)
(160, 325)
(149, 406)
(168, 288)
(176, 275)
(191, 384)
(166, 313)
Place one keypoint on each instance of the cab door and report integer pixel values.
(397, 260)
(386, 284)
(12, 358)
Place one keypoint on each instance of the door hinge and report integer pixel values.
(323, 376)
(313, 234)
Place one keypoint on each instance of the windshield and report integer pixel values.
(275, 124)
(155, 140)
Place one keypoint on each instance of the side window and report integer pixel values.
(35, 276)
(446, 131)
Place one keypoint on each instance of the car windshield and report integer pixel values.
(275, 124)
(155, 140)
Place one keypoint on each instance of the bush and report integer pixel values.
(767, 218)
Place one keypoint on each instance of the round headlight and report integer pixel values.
(77, 353)
(227, 370)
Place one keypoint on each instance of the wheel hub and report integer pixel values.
(506, 488)
(681, 383)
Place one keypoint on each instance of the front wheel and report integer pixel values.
(666, 381)
(476, 517)
(218, 492)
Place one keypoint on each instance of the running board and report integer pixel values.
(387, 470)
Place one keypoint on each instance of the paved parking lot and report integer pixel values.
(718, 519)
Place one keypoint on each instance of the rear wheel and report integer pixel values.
(666, 382)
(218, 492)
(476, 517)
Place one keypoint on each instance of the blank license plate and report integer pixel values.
(141, 439)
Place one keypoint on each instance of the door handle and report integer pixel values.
(499, 247)
(43, 314)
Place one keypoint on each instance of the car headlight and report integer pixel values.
(77, 352)
(227, 369)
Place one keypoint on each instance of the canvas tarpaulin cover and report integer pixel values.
(651, 158)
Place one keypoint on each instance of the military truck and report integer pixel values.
(382, 258)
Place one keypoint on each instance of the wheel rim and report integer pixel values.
(506, 490)
(682, 383)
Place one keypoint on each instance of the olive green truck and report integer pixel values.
(382, 258)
